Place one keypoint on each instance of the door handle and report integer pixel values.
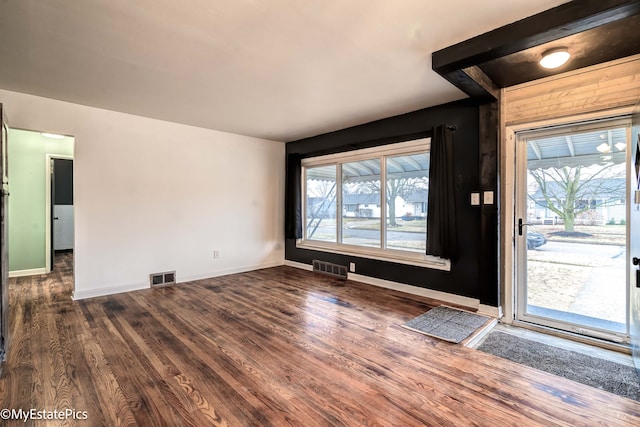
(520, 225)
(55, 217)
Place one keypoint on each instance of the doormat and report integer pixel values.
(592, 371)
(446, 323)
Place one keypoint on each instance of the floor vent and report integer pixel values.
(163, 279)
(330, 269)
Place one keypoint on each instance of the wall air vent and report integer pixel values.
(334, 270)
(163, 279)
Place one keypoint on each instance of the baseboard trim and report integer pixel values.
(489, 310)
(99, 292)
(31, 272)
(111, 290)
(472, 303)
(299, 265)
(229, 271)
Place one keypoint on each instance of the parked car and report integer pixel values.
(535, 239)
(408, 217)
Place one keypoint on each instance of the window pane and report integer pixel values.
(407, 196)
(361, 203)
(320, 208)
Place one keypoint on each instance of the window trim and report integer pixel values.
(379, 253)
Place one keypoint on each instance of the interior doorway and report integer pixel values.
(60, 208)
(31, 206)
(571, 228)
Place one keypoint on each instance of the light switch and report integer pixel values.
(488, 198)
(475, 199)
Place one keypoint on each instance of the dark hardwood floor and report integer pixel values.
(272, 347)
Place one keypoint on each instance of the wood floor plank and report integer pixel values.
(188, 402)
(100, 392)
(144, 388)
(213, 364)
(272, 347)
(315, 357)
(353, 359)
(245, 362)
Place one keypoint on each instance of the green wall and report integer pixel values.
(27, 160)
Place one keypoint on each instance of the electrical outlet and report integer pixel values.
(352, 267)
(216, 254)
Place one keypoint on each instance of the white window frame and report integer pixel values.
(383, 254)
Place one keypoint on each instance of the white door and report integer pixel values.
(572, 228)
(62, 227)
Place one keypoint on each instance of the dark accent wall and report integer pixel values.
(63, 181)
(463, 279)
(488, 258)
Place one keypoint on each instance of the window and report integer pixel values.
(407, 185)
(361, 186)
(320, 203)
(370, 203)
(586, 204)
(581, 204)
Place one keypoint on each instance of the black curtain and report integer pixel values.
(293, 198)
(442, 239)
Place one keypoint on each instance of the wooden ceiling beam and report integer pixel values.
(561, 21)
(458, 63)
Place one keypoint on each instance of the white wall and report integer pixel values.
(153, 196)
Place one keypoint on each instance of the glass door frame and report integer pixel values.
(520, 241)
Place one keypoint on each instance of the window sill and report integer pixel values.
(389, 255)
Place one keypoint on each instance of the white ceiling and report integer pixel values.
(275, 69)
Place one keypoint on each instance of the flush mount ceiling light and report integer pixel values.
(604, 148)
(555, 58)
(52, 135)
(621, 146)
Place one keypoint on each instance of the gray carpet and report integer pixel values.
(446, 323)
(603, 374)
